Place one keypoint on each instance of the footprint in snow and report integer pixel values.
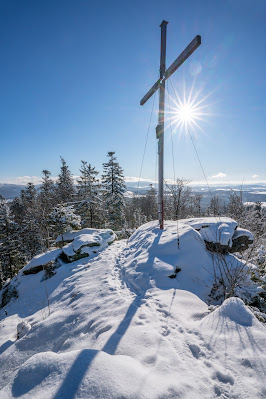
(150, 360)
(195, 350)
(103, 330)
(224, 378)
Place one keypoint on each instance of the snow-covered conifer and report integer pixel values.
(65, 185)
(11, 254)
(63, 218)
(47, 190)
(89, 207)
(113, 184)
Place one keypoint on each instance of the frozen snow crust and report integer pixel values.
(120, 328)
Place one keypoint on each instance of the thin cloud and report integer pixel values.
(219, 175)
(130, 179)
(22, 180)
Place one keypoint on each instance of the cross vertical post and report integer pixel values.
(160, 127)
(160, 84)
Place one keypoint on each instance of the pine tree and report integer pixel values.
(30, 231)
(89, 195)
(113, 183)
(11, 253)
(45, 203)
(47, 190)
(65, 186)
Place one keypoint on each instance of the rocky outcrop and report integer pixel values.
(221, 234)
(76, 244)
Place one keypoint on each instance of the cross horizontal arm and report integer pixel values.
(154, 88)
(193, 45)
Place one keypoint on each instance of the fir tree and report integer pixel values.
(113, 183)
(89, 195)
(47, 190)
(65, 186)
(46, 201)
(11, 255)
(30, 232)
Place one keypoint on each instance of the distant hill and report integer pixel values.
(250, 192)
(10, 191)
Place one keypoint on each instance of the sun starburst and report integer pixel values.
(187, 111)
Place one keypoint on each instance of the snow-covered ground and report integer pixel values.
(119, 327)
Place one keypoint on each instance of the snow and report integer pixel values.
(22, 329)
(87, 243)
(71, 235)
(119, 327)
(263, 204)
(214, 229)
(42, 259)
(243, 233)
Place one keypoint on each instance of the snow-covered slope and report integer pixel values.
(119, 327)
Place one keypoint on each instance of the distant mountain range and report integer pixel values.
(250, 192)
(10, 191)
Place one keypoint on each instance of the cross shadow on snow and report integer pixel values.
(85, 359)
(5, 346)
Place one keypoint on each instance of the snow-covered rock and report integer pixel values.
(241, 239)
(69, 236)
(81, 243)
(41, 262)
(181, 253)
(87, 242)
(22, 329)
(221, 234)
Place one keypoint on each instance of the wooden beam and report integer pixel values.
(193, 45)
(154, 88)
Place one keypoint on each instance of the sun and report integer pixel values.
(187, 111)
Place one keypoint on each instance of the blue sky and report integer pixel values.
(72, 74)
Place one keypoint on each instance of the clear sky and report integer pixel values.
(72, 73)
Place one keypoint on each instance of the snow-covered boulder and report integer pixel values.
(41, 262)
(241, 239)
(153, 255)
(177, 257)
(221, 234)
(22, 329)
(81, 243)
(86, 242)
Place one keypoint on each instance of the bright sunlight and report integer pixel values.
(186, 112)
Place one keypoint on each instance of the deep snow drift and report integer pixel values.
(119, 327)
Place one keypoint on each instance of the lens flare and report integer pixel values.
(187, 111)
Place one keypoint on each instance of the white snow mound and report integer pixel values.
(153, 255)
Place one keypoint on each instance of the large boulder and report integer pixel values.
(86, 242)
(42, 262)
(221, 234)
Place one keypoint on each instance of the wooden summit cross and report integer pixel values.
(160, 84)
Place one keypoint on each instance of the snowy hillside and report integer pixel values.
(131, 320)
